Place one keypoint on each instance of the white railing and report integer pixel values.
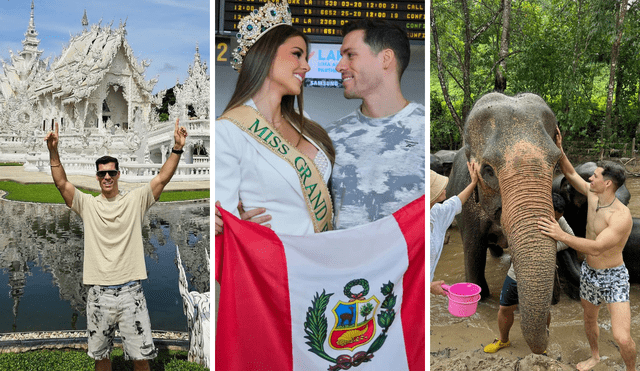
(200, 159)
(195, 128)
(129, 171)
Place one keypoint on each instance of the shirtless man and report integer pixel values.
(604, 277)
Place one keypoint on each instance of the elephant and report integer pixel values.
(442, 161)
(435, 164)
(512, 138)
(631, 252)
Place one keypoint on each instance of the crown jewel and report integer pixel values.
(256, 24)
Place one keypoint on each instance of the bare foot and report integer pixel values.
(588, 364)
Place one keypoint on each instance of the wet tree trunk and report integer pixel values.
(501, 78)
(605, 133)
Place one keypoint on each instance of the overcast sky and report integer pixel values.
(162, 31)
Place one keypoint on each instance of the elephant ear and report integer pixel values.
(467, 151)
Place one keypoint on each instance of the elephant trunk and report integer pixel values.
(526, 196)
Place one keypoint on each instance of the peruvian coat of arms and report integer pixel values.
(354, 324)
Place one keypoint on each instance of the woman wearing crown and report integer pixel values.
(268, 153)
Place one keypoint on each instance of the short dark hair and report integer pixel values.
(613, 172)
(380, 34)
(106, 160)
(558, 202)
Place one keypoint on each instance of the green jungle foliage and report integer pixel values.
(560, 50)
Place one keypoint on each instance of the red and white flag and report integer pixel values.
(327, 301)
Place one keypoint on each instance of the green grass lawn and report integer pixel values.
(78, 360)
(48, 193)
(184, 195)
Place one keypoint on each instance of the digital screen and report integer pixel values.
(326, 17)
(323, 60)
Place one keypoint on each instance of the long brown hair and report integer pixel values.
(255, 69)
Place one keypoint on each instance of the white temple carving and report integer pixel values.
(18, 79)
(96, 90)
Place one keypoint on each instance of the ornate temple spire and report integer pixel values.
(85, 20)
(31, 21)
(31, 42)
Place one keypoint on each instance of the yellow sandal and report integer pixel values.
(496, 346)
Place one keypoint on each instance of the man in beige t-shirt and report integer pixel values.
(113, 253)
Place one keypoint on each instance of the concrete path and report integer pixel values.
(18, 174)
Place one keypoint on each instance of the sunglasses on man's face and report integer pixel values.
(103, 173)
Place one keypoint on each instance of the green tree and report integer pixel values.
(169, 99)
(366, 310)
(470, 26)
(580, 56)
(615, 52)
(442, 129)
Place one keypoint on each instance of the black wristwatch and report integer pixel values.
(177, 151)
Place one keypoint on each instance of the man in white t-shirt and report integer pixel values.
(113, 253)
(380, 153)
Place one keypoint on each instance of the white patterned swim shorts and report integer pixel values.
(609, 285)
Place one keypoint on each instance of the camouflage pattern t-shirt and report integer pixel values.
(380, 164)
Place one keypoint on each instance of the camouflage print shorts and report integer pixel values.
(609, 285)
(120, 307)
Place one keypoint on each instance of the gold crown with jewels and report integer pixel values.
(257, 23)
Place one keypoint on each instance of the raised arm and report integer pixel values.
(67, 190)
(171, 164)
(567, 169)
(473, 171)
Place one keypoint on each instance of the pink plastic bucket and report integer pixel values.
(463, 298)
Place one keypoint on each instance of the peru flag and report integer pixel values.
(327, 301)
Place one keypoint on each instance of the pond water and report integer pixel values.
(41, 252)
(567, 341)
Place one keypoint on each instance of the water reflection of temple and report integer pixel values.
(50, 237)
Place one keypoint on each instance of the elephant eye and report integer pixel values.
(489, 176)
(487, 171)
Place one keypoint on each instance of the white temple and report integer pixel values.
(97, 92)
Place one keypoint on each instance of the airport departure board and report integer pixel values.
(326, 17)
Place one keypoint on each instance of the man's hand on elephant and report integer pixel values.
(474, 171)
(436, 288)
(253, 215)
(550, 227)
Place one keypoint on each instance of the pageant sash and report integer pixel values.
(315, 191)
